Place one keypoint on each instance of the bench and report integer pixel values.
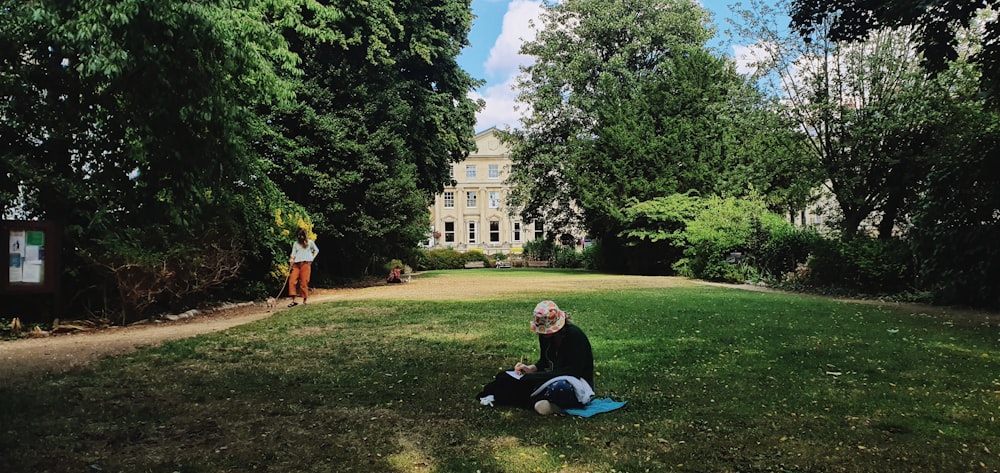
(475, 264)
(503, 264)
(538, 264)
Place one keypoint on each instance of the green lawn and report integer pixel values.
(717, 380)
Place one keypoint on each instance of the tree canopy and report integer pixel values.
(627, 104)
(179, 143)
(938, 25)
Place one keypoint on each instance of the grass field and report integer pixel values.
(716, 380)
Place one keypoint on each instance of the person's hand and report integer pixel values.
(291, 260)
(522, 368)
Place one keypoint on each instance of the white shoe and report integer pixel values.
(546, 408)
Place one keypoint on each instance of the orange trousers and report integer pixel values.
(298, 280)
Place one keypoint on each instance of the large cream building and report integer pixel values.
(473, 214)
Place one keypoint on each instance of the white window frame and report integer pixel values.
(494, 231)
(470, 199)
(494, 171)
(516, 230)
(470, 170)
(472, 232)
(449, 199)
(494, 199)
(449, 234)
(539, 230)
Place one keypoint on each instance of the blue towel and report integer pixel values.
(596, 406)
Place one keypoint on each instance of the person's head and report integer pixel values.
(547, 319)
(301, 236)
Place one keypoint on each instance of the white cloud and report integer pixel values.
(503, 65)
(745, 56)
(504, 57)
(501, 108)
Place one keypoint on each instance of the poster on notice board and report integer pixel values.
(27, 257)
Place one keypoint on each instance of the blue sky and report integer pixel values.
(496, 36)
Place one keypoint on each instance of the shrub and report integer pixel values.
(723, 227)
(783, 250)
(862, 265)
(397, 263)
(441, 258)
(567, 257)
(540, 250)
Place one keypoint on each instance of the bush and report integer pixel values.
(862, 265)
(441, 258)
(783, 250)
(397, 263)
(540, 250)
(726, 226)
(567, 257)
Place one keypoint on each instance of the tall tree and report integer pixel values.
(369, 142)
(867, 109)
(626, 105)
(938, 25)
(129, 123)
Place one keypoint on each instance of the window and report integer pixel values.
(517, 231)
(451, 172)
(449, 200)
(472, 232)
(494, 231)
(470, 199)
(539, 230)
(817, 219)
(494, 171)
(449, 232)
(494, 199)
(470, 170)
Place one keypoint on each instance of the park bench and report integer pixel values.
(475, 264)
(503, 264)
(538, 264)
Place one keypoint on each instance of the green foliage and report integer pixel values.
(567, 257)
(938, 26)
(441, 258)
(861, 266)
(847, 99)
(957, 224)
(162, 132)
(371, 138)
(653, 115)
(541, 249)
(723, 227)
(779, 253)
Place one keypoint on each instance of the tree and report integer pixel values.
(868, 112)
(626, 105)
(130, 121)
(938, 26)
(368, 143)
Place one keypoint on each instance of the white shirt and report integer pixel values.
(303, 255)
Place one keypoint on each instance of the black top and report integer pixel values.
(566, 353)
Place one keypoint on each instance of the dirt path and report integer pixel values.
(59, 353)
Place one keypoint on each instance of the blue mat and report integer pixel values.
(596, 406)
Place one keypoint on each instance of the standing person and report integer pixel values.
(563, 376)
(304, 251)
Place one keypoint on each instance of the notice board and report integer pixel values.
(32, 256)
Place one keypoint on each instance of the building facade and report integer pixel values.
(473, 213)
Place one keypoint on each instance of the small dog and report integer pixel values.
(271, 302)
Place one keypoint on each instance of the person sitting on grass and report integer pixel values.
(563, 376)
(394, 276)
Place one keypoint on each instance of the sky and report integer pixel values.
(497, 32)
